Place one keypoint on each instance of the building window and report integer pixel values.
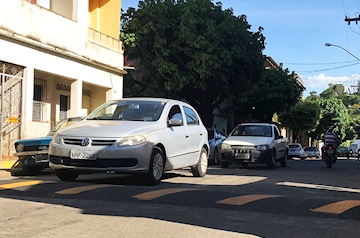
(39, 101)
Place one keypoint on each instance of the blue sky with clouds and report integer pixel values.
(296, 33)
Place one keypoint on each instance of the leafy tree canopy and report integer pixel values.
(195, 50)
(304, 116)
(277, 92)
(333, 113)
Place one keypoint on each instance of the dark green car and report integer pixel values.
(343, 151)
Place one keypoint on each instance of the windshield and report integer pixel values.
(64, 123)
(310, 148)
(128, 110)
(252, 130)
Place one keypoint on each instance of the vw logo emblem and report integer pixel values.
(86, 142)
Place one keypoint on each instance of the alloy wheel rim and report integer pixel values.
(204, 161)
(158, 166)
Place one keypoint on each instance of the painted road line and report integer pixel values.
(20, 184)
(226, 180)
(319, 186)
(241, 200)
(338, 207)
(81, 189)
(159, 193)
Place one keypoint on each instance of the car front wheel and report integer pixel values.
(156, 167)
(199, 170)
(271, 163)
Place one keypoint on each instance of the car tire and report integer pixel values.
(283, 160)
(271, 163)
(67, 175)
(199, 170)
(156, 167)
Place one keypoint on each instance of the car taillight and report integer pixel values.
(330, 147)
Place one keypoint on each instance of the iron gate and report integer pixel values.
(11, 77)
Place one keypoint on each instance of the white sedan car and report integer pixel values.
(134, 135)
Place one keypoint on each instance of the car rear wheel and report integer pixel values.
(156, 167)
(67, 175)
(199, 170)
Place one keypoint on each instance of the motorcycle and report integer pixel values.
(329, 156)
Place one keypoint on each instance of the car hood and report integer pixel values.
(110, 129)
(247, 140)
(35, 141)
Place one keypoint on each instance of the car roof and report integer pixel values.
(257, 123)
(150, 99)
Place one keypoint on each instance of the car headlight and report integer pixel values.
(262, 147)
(56, 139)
(225, 146)
(133, 140)
(19, 148)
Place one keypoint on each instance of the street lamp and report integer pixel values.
(328, 44)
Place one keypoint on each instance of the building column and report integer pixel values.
(75, 99)
(28, 94)
(116, 92)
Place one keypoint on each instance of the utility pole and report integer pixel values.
(349, 20)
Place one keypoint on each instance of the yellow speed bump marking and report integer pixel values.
(81, 189)
(20, 184)
(159, 193)
(338, 207)
(241, 200)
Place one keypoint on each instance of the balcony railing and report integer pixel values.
(104, 40)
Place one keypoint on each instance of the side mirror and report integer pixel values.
(175, 122)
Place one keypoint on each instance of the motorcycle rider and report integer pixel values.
(330, 138)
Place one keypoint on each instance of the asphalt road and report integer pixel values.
(305, 199)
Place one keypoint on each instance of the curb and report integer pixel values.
(7, 164)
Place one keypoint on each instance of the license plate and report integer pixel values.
(330, 152)
(242, 156)
(41, 158)
(83, 154)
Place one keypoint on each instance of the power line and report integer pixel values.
(321, 70)
(345, 62)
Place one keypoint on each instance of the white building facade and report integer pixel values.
(52, 66)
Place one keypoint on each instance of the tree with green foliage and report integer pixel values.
(333, 113)
(277, 92)
(304, 117)
(193, 50)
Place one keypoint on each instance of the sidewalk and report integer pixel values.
(4, 174)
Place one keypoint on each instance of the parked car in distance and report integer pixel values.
(250, 143)
(311, 152)
(33, 153)
(215, 139)
(354, 148)
(296, 150)
(343, 151)
(144, 136)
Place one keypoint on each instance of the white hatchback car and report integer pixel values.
(133, 135)
(296, 150)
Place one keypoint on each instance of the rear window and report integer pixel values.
(310, 149)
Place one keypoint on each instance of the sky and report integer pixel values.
(296, 33)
